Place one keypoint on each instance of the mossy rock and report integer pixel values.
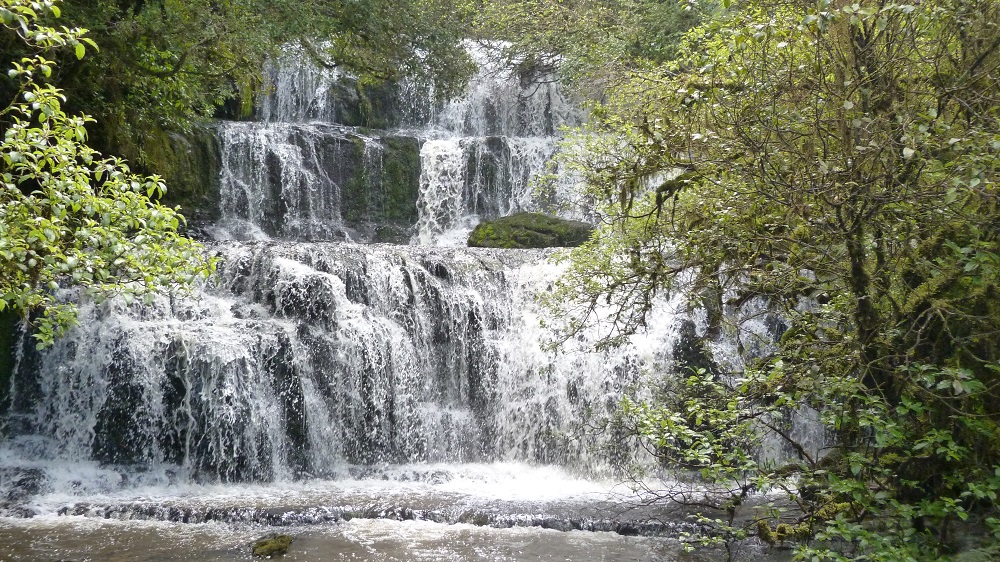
(530, 230)
(386, 193)
(272, 545)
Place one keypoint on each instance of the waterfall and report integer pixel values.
(306, 171)
(315, 349)
(310, 357)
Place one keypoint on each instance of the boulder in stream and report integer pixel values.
(530, 230)
(272, 545)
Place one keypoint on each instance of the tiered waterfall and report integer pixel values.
(348, 326)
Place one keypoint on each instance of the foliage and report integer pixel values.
(836, 162)
(69, 217)
(272, 545)
(590, 42)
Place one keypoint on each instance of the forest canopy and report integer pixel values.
(68, 216)
(163, 65)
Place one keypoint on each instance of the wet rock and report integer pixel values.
(690, 353)
(379, 197)
(9, 335)
(271, 545)
(628, 529)
(529, 230)
(190, 164)
(119, 438)
(557, 524)
(18, 484)
(476, 518)
(22, 512)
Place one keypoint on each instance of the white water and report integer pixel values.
(309, 357)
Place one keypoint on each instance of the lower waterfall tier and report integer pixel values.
(305, 358)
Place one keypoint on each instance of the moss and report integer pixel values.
(376, 106)
(272, 545)
(765, 533)
(890, 460)
(401, 178)
(529, 230)
(831, 510)
(782, 532)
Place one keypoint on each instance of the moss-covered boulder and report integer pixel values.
(272, 545)
(530, 230)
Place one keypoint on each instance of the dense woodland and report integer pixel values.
(831, 162)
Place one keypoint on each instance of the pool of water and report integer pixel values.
(493, 512)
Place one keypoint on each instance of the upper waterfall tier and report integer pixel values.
(329, 182)
(330, 160)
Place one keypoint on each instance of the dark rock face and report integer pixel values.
(9, 329)
(319, 182)
(190, 164)
(380, 199)
(18, 483)
(690, 354)
(530, 230)
(117, 439)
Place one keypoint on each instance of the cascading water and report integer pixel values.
(488, 148)
(315, 365)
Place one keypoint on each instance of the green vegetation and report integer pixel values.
(529, 230)
(589, 42)
(835, 163)
(69, 217)
(384, 192)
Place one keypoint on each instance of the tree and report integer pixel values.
(167, 65)
(68, 217)
(836, 163)
(591, 43)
